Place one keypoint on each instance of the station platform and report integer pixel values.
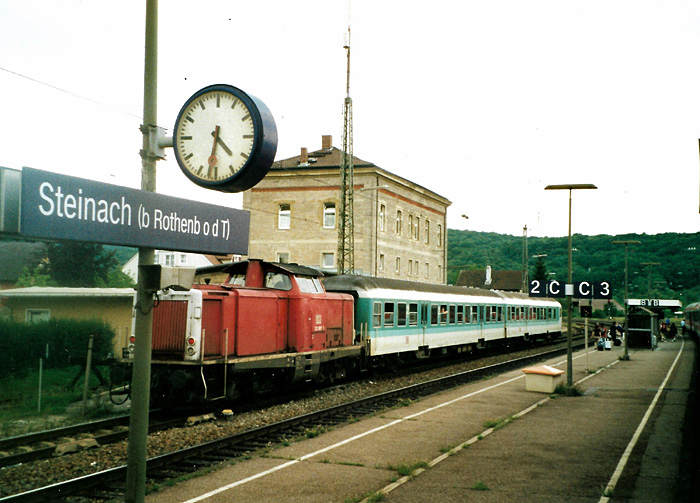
(623, 439)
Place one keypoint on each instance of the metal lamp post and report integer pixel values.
(569, 286)
(626, 243)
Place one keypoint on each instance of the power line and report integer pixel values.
(70, 93)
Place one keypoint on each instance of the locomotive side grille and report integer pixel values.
(170, 327)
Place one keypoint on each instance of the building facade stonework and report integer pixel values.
(399, 227)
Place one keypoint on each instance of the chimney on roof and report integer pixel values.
(304, 158)
(326, 142)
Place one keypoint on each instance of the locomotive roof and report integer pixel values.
(242, 266)
(366, 283)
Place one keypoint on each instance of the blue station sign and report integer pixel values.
(55, 206)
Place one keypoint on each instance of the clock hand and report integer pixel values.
(212, 158)
(223, 145)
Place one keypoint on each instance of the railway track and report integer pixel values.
(108, 485)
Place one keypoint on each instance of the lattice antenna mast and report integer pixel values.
(346, 226)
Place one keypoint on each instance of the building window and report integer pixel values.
(398, 265)
(382, 217)
(381, 262)
(410, 226)
(398, 222)
(416, 266)
(327, 260)
(439, 236)
(416, 229)
(170, 260)
(427, 232)
(283, 257)
(329, 216)
(37, 315)
(284, 219)
(410, 267)
(427, 269)
(183, 258)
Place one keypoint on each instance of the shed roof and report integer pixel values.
(50, 291)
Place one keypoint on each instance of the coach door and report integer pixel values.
(424, 312)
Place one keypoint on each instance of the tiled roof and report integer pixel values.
(324, 158)
(16, 255)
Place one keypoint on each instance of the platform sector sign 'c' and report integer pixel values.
(63, 207)
(581, 289)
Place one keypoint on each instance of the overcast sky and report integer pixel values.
(485, 103)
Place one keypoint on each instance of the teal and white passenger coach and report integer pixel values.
(396, 317)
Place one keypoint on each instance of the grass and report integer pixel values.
(563, 389)
(480, 486)
(19, 412)
(405, 470)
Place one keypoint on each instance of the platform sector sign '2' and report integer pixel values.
(581, 289)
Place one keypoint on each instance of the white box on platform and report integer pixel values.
(542, 378)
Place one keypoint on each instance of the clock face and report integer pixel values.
(223, 139)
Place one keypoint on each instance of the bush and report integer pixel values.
(25, 343)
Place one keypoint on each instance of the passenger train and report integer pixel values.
(272, 324)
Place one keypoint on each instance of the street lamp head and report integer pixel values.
(571, 186)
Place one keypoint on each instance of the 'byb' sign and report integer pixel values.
(582, 289)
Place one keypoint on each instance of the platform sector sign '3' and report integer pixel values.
(581, 289)
(225, 139)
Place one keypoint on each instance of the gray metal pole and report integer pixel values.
(137, 453)
(88, 367)
(569, 351)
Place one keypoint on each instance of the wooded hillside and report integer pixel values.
(595, 258)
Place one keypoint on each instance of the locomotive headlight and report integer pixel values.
(190, 351)
(190, 341)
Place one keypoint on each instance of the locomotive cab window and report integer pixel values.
(237, 280)
(308, 284)
(277, 281)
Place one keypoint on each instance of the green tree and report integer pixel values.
(34, 277)
(75, 264)
(540, 271)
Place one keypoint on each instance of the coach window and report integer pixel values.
(443, 314)
(475, 314)
(401, 316)
(388, 314)
(434, 314)
(413, 314)
(460, 314)
(284, 218)
(377, 314)
(499, 315)
(453, 315)
(487, 314)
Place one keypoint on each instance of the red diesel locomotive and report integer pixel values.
(269, 324)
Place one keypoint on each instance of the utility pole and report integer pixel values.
(137, 454)
(525, 287)
(346, 225)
